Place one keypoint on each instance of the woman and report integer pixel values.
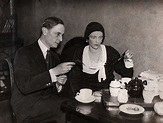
(95, 62)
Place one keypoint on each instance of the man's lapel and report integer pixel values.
(38, 56)
(55, 60)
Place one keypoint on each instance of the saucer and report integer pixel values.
(88, 100)
(131, 109)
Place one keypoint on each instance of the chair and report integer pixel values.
(11, 76)
(11, 72)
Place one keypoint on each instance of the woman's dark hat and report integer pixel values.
(93, 26)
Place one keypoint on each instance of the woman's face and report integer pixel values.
(95, 39)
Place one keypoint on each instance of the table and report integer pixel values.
(98, 112)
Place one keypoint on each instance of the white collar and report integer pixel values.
(42, 47)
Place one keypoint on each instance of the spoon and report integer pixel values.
(120, 58)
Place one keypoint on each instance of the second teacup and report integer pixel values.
(84, 93)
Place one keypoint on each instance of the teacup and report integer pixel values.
(84, 93)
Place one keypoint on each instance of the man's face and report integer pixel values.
(53, 36)
(95, 39)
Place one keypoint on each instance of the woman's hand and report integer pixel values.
(128, 59)
(128, 55)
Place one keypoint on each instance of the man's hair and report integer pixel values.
(50, 22)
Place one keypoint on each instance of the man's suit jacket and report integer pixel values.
(32, 80)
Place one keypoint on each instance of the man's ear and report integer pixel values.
(44, 30)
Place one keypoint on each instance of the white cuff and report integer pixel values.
(53, 76)
(54, 79)
(128, 63)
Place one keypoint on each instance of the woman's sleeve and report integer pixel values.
(119, 66)
(122, 70)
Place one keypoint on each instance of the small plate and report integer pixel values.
(89, 100)
(131, 109)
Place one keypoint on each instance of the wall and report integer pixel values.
(136, 25)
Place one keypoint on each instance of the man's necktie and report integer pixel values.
(48, 59)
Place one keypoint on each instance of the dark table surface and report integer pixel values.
(101, 112)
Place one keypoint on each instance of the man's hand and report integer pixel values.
(63, 68)
(61, 80)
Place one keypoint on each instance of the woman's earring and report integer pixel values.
(86, 40)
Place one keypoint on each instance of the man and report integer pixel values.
(36, 96)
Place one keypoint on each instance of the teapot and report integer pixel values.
(135, 87)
